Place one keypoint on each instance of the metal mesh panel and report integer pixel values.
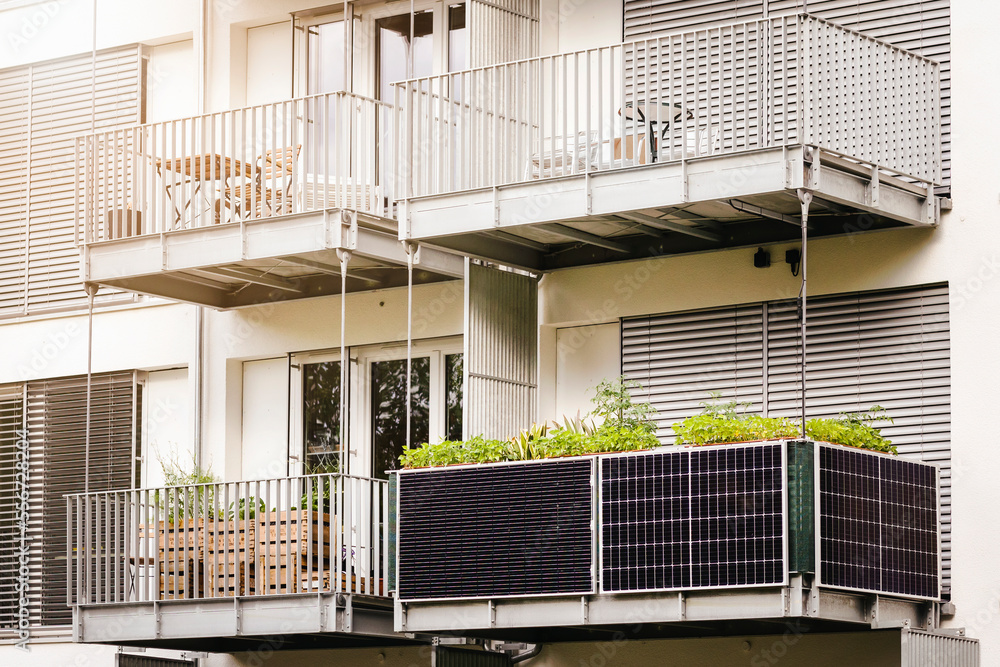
(521, 529)
(701, 518)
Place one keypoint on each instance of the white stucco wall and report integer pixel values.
(34, 31)
(161, 338)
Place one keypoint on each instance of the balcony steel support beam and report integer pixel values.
(670, 226)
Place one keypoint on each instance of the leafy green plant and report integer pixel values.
(854, 429)
(187, 503)
(728, 421)
(447, 452)
(246, 508)
(626, 426)
(613, 402)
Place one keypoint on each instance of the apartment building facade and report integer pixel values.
(207, 208)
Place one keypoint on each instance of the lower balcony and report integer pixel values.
(676, 542)
(274, 202)
(220, 567)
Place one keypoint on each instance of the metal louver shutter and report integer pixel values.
(678, 358)
(14, 86)
(63, 97)
(502, 31)
(653, 18)
(11, 423)
(888, 348)
(923, 26)
(501, 345)
(56, 411)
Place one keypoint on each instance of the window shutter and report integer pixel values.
(678, 358)
(14, 86)
(11, 422)
(501, 346)
(654, 18)
(56, 411)
(887, 347)
(62, 98)
(502, 30)
(923, 26)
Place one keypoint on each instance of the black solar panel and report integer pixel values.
(694, 518)
(878, 523)
(493, 531)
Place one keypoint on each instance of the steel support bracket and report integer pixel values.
(157, 620)
(872, 189)
(811, 165)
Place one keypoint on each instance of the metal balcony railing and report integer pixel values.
(293, 535)
(730, 89)
(306, 154)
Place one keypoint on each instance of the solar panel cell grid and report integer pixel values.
(697, 518)
(878, 523)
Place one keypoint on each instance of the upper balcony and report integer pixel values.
(221, 567)
(689, 142)
(271, 202)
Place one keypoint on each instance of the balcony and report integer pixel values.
(221, 567)
(676, 542)
(280, 201)
(694, 141)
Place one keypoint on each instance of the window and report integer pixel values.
(376, 418)
(327, 62)
(435, 402)
(52, 413)
(367, 58)
(394, 41)
(458, 39)
(44, 108)
(321, 416)
(435, 405)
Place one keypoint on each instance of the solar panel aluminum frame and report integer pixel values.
(688, 449)
(594, 471)
(817, 500)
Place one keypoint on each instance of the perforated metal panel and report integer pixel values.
(923, 26)
(693, 518)
(878, 523)
(495, 531)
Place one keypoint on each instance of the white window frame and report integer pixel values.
(365, 62)
(297, 455)
(359, 451)
(437, 350)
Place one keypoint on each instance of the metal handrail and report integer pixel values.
(280, 536)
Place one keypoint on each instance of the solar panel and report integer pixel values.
(496, 530)
(878, 523)
(694, 518)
